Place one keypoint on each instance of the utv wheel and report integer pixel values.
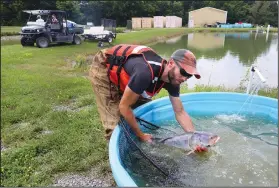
(77, 40)
(110, 39)
(100, 44)
(24, 42)
(42, 42)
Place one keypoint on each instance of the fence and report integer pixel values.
(109, 25)
(159, 21)
(173, 21)
(136, 23)
(129, 25)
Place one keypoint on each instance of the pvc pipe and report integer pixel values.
(260, 75)
(268, 27)
(267, 32)
(250, 79)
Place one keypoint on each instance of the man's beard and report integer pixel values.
(171, 77)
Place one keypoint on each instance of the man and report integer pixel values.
(137, 73)
(54, 19)
(39, 19)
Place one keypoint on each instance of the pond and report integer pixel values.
(223, 59)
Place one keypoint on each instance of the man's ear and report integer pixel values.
(170, 63)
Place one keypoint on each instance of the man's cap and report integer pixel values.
(187, 58)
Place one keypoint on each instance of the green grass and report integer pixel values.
(10, 30)
(43, 90)
(5, 29)
(13, 30)
(49, 119)
(228, 29)
(269, 92)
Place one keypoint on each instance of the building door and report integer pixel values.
(191, 23)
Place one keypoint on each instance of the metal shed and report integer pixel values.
(206, 16)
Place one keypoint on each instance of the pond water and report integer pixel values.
(246, 155)
(223, 59)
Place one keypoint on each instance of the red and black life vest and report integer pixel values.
(118, 55)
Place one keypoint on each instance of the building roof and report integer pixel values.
(43, 12)
(209, 8)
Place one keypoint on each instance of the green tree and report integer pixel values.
(11, 12)
(260, 12)
(273, 18)
(72, 9)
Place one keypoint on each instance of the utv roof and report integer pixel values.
(43, 12)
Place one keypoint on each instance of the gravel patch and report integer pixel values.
(93, 179)
(16, 37)
(71, 108)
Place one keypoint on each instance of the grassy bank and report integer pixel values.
(10, 30)
(13, 30)
(273, 92)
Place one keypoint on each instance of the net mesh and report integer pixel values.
(143, 165)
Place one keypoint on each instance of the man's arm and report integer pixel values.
(181, 115)
(128, 99)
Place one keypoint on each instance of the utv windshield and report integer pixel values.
(39, 20)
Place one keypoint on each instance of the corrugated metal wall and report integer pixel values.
(173, 22)
(206, 15)
(136, 23)
(157, 22)
(146, 22)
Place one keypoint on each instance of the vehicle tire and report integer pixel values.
(25, 42)
(77, 40)
(110, 39)
(100, 44)
(42, 42)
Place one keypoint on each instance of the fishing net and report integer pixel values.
(143, 165)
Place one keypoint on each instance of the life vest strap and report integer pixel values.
(111, 60)
(120, 66)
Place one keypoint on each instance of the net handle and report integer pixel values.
(152, 125)
(144, 154)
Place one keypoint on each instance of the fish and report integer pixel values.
(191, 141)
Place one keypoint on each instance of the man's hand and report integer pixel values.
(146, 137)
(181, 115)
(128, 99)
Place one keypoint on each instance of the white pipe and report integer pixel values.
(267, 32)
(252, 70)
(268, 27)
(250, 79)
(260, 75)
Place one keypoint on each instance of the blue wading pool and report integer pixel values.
(202, 103)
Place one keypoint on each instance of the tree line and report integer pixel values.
(81, 12)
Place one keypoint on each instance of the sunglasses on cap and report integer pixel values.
(183, 71)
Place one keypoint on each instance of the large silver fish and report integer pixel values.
(192, 141)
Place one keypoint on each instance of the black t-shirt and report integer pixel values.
(141, 78)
